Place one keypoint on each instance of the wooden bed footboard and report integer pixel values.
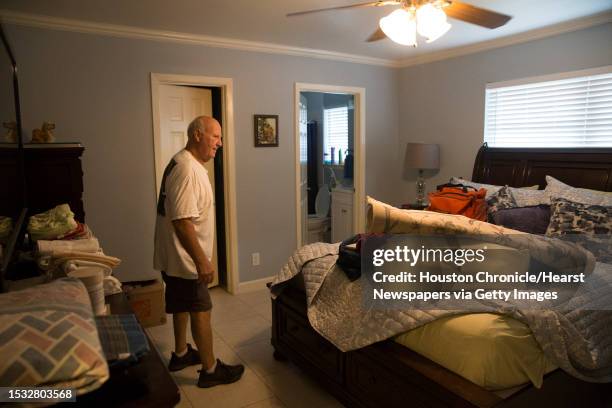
(387, 374)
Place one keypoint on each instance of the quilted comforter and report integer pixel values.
(577, 338)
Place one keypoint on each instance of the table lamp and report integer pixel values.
(422, 156)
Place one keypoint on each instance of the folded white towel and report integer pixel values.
(81, 245)
(111, 285)
(74, 264)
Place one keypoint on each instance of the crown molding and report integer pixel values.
(122, 31)
(537, 34)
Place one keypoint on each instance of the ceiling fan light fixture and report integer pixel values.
(431, 22)
(443, 30)
(400, 26)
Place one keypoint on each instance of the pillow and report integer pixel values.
(491, 188)
(526, 197)
(555, 188)
(48, 338)
(533, 220)
(590, 226)
(500, 200)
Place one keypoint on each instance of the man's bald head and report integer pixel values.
(201, 123)
(204, 137)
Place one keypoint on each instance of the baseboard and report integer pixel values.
(254, 285)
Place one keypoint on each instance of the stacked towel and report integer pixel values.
(67, 258)
(111, 284)
(99, 257)
(68, 248)
(75, 264)
(82, 245)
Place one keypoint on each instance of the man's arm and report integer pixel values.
(185, 232)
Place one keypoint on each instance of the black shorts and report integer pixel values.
(186, 295)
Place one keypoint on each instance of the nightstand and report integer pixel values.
(414, 206)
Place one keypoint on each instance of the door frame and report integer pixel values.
(359, 201)
(229, 155)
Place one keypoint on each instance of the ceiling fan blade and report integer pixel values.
(377, 36)
(476, 15)
(368, 4)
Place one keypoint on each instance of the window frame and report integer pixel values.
(325, 127)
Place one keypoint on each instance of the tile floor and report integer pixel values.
(241, 334)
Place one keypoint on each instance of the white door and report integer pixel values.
(304, 167)
(178, 106)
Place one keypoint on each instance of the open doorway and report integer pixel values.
(176, 101)
(329, 162)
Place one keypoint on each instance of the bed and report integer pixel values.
(388, 374)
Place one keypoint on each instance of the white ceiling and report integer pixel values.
(338, 31)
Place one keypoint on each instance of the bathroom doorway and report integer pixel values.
(330, 163)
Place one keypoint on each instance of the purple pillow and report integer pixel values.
(534, 219)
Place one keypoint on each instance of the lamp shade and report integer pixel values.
(422, 156)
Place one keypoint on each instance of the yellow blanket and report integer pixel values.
(493, 351)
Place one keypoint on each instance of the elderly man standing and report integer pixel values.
(183, 248)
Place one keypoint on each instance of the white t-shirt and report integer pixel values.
(185, 193)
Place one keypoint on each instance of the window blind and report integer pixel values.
(575, 111)
(335, 132)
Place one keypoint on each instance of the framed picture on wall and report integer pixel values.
(266, 130)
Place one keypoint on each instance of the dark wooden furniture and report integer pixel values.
(387, 374)
(9, 250)
(53, 175)
(413, 206)
(145, 384)
(586, 168)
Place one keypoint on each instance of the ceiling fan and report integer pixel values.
(426, 17)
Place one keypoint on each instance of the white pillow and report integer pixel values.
(557, 189)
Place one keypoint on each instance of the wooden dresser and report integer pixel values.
(53, 175)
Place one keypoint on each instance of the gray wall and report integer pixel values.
(443, 102)
(97, 90)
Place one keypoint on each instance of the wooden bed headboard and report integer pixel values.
(521, 167)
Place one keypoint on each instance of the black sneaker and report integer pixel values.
(191, 357)
(224, 374)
